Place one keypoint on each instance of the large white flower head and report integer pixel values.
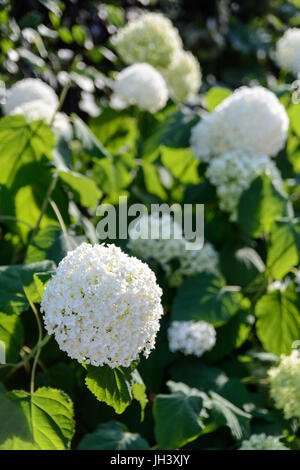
(263, 442)
(234, 171)
(143, 86)
(191, 337)
(207, 138)
(165, 250)
(150, 38)
(29, 89)
(285, 385)
(40, 110)
(183, 76)
(288, 51)
(250, 119)
(103, 306)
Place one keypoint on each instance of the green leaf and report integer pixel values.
(84, 189)
(111, 175)
(215, 96)
(139, 391)
(65, 35)
(66, 376)
(205, 297)
(21, 144)
(17, 285)
(116, 387)
(39, 421)
(224, 413)
(116, 130)
(209, 379)
(284, 247)
(173, 132)
(259, 205)
(88, 140)
(294, 115)
(152, 182)
(177, 416)
(181, 163)
(278, 320)
(232, 335)
(12, 334)
(51, 244)
(78, 34)
(240, 266)
(113, 436)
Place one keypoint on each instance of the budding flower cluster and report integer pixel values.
(234, 171)
(288, 51)
(183, 76)
(152, 39)
(285, 385)
(191, 337)
(103, 306)
(262, 442)
(165, 251)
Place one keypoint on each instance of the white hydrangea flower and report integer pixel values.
(164, 251)
(285, 385)
(263, 442)
(288, 51)
(192, 262)
(183, 76)
(234, 171)
(191, 337)
(207, 138)
(103, 306)
(250, 119)
(27, 90)
(150, 38)
(40, 110)
(143, 86)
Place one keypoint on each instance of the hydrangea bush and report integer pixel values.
(130, 342)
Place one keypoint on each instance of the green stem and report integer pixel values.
(27, 358)
(61, 223)
(44, 206)
(61, 100)
(33, 370)
(38, 352)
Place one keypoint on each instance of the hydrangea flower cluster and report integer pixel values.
(142, 85)
(103, 306)
(28, 90)
(263, 442)
(152, 39)
(288, 51)
(234, 171)
(250, 119)
(192, 262)
(36, 100)
(285, 385)
(165, 251)
(40, 110)
(183, 76)
(191, 337)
